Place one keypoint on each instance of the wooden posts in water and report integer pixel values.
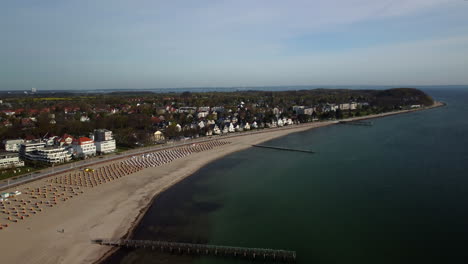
(203, 249)
(357, 123)
(285, 149)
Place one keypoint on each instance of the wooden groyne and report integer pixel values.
(203, 249)
(285, 149)
(357, 123)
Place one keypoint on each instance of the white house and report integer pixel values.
(231, 128)
(216, 130)
(83, 147)
(64, 140)
(203, 109)
(344, 106)
(104, 147)
(309, 111)
(280, 122)
(158, 136)
(201, 124)
(202, 114)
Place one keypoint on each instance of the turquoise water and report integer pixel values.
(395, 192)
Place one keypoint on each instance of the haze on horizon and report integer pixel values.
(118, 44)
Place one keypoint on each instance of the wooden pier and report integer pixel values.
(203, 249)
(357, 123)
(285, 149)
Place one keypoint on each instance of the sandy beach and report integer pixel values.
(72, 215)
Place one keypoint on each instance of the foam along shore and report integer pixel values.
(54, 219)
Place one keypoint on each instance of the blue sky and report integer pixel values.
(99, 44)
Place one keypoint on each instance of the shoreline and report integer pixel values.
(144, 210)
(118, 207)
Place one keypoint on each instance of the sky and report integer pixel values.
(144, 44)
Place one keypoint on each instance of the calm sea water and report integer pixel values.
(396, 192)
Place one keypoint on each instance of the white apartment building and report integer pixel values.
(104, 141)
(104, 147)
(83, 147)
(50, 154)
(27, 147)
(10, 160)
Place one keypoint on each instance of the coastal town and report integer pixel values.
(129, 160)
(38, 131)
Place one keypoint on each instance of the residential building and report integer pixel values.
(105, 147)
(203, 109)
(344, 106)
(102, 135)
(309, 111)
(187, 109)
(31, 146)
(299, 109)
(203, 114)
(50, 154)
(10, 160)
(218, 109)
(104, 141)
(158, 136)
(12, 145)
(83, 147)
(65, 140)
(216, 130)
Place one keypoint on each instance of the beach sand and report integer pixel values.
(110, 210)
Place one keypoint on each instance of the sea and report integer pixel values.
(393, 192)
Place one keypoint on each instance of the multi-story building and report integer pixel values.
(203, 109)
(187, 109)
(344, 106)
(83, 147)
(299, 109)
(10, 160)
(309, 111)
(219, 109)
(203, 114)
(28, 147)
(102, 135)
(104, 147)
(104, 141)
(12, 145)
(50, 154)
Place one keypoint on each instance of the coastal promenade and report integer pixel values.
(47, 172)
(62, 231)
